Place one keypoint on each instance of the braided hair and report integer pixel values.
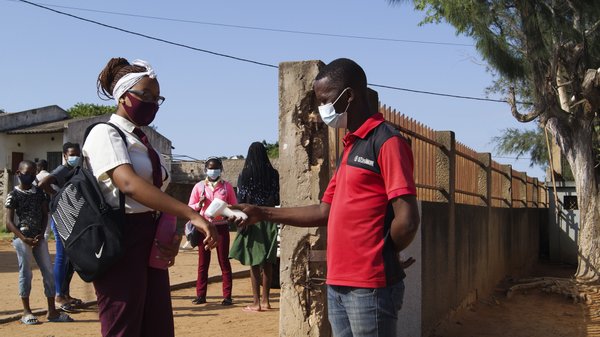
(116, 68)
(258, 182)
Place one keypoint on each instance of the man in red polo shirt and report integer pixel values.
(369, 208)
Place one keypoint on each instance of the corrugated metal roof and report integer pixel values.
(52, 127)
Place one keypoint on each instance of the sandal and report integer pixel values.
(67, 307)
(29, 320)
(75, 302)
(62, 317)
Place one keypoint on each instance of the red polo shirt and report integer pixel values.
(376, 167)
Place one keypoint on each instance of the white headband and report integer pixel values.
(129, 80)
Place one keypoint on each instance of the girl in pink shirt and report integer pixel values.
(202, 195)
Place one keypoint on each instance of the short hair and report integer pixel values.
(344, 73)
(42, 164)
(26, 163)
(216, 160)
(69, 145)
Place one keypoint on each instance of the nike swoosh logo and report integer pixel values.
(99, 253)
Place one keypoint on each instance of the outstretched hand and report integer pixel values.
(254, 213)
(209, 230)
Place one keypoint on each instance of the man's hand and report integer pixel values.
(254, 213)
(46, 184)
(407, 263)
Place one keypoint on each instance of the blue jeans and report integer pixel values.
(63, 269)
(362, 312)
(25, 253)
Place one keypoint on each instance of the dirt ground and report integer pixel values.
(210, 319)
(527, 314)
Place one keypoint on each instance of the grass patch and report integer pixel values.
(6, 235)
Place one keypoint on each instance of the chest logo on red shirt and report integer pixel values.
(366, 161)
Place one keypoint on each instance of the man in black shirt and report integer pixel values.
(63, 269)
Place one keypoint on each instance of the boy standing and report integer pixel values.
(63, 268)
(31, 207)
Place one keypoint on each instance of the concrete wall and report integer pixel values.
(9, 121)
(462, 263)
(191, 172)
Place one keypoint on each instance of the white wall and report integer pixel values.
(31, 145)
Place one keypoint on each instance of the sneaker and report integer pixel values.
(227, 301)
(199, 300)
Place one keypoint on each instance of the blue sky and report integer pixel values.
(218, 106)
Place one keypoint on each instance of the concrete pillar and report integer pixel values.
(507, 185)
(484, 178)
(445, 170)
(445, 166)
(304, 175)
(523, 189)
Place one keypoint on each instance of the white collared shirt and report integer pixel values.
(104, 150)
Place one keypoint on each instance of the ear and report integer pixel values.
(351, 95)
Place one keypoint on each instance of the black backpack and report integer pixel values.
(89, 228)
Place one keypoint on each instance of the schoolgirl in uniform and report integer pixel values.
(201, 197)
(134, 299)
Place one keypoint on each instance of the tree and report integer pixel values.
(272, 149)
(553, 47)
(89, 109)
(519, 142)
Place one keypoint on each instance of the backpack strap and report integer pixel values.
(89, 129)
(123, 137)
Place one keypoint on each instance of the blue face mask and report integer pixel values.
(213, 174)
(72, 161)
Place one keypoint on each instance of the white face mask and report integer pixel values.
(331, 117)
(213, 173)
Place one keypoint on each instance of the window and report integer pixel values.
(54, 160)
(570, 202)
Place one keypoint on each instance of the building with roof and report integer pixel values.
(40, 133)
